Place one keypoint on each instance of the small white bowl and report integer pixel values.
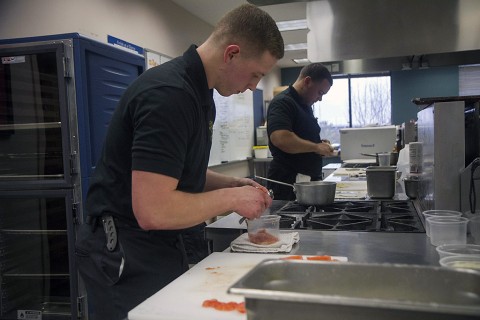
(471, 262)
(447, 250)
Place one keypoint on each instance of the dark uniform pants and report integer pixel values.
(195, 244)
(142, 263)
(283, 173)
(279, 172)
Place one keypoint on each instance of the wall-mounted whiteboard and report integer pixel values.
(154, 58)
(233, 131)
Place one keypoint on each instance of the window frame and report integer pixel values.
(349, 78)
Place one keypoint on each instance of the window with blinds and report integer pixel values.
(469, 80)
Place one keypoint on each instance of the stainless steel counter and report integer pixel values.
(379, 247)
(358, 246)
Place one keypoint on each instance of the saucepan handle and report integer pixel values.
(275, 181)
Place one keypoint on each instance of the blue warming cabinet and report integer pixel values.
(102, 72)
(57, 96)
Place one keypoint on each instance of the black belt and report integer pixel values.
(108, 227)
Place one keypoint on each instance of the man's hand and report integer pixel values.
(252, 202)
(324, 149)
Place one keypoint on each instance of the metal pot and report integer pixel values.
(411, 187)
(311, 193)
(381, 181)
(393, 157)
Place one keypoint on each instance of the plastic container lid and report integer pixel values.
(471, 262)
(447, 250)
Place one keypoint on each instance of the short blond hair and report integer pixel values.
(252, 27)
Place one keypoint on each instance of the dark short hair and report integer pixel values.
(252, 27)
(317, 72)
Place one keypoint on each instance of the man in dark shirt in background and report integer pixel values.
(294, 132)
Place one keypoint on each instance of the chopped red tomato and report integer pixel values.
(320, 258)
(224, 306)
(210, 303)
(241, 307)
(292, 258)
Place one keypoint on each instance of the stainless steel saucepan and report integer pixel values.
(393, 157)
(311, 193)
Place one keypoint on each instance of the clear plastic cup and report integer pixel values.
(264, 230)
(448, 230)
(474, 225)
(438, 213)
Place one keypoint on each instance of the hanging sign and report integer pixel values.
(124, 44)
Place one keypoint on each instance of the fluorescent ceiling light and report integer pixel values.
(301, 61)
(290, 25)
(296, 46)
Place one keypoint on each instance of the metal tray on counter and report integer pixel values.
(296, 289)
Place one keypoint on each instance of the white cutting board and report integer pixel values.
(348, 171)
(351, 186)
(360, 161)
(351, 190)
(183, 298)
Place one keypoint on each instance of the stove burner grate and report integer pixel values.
(290, 222)
(347, 207)
(401, 223)
(338, 224)
(400, 216)
(401, 226)
(398, 207)
(383, 216)
(342, 221)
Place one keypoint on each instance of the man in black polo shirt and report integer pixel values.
(152, 182)
(294, 133)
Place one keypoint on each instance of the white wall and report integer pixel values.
(159, 25)
(270, 82)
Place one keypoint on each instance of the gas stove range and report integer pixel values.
(377, 216)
